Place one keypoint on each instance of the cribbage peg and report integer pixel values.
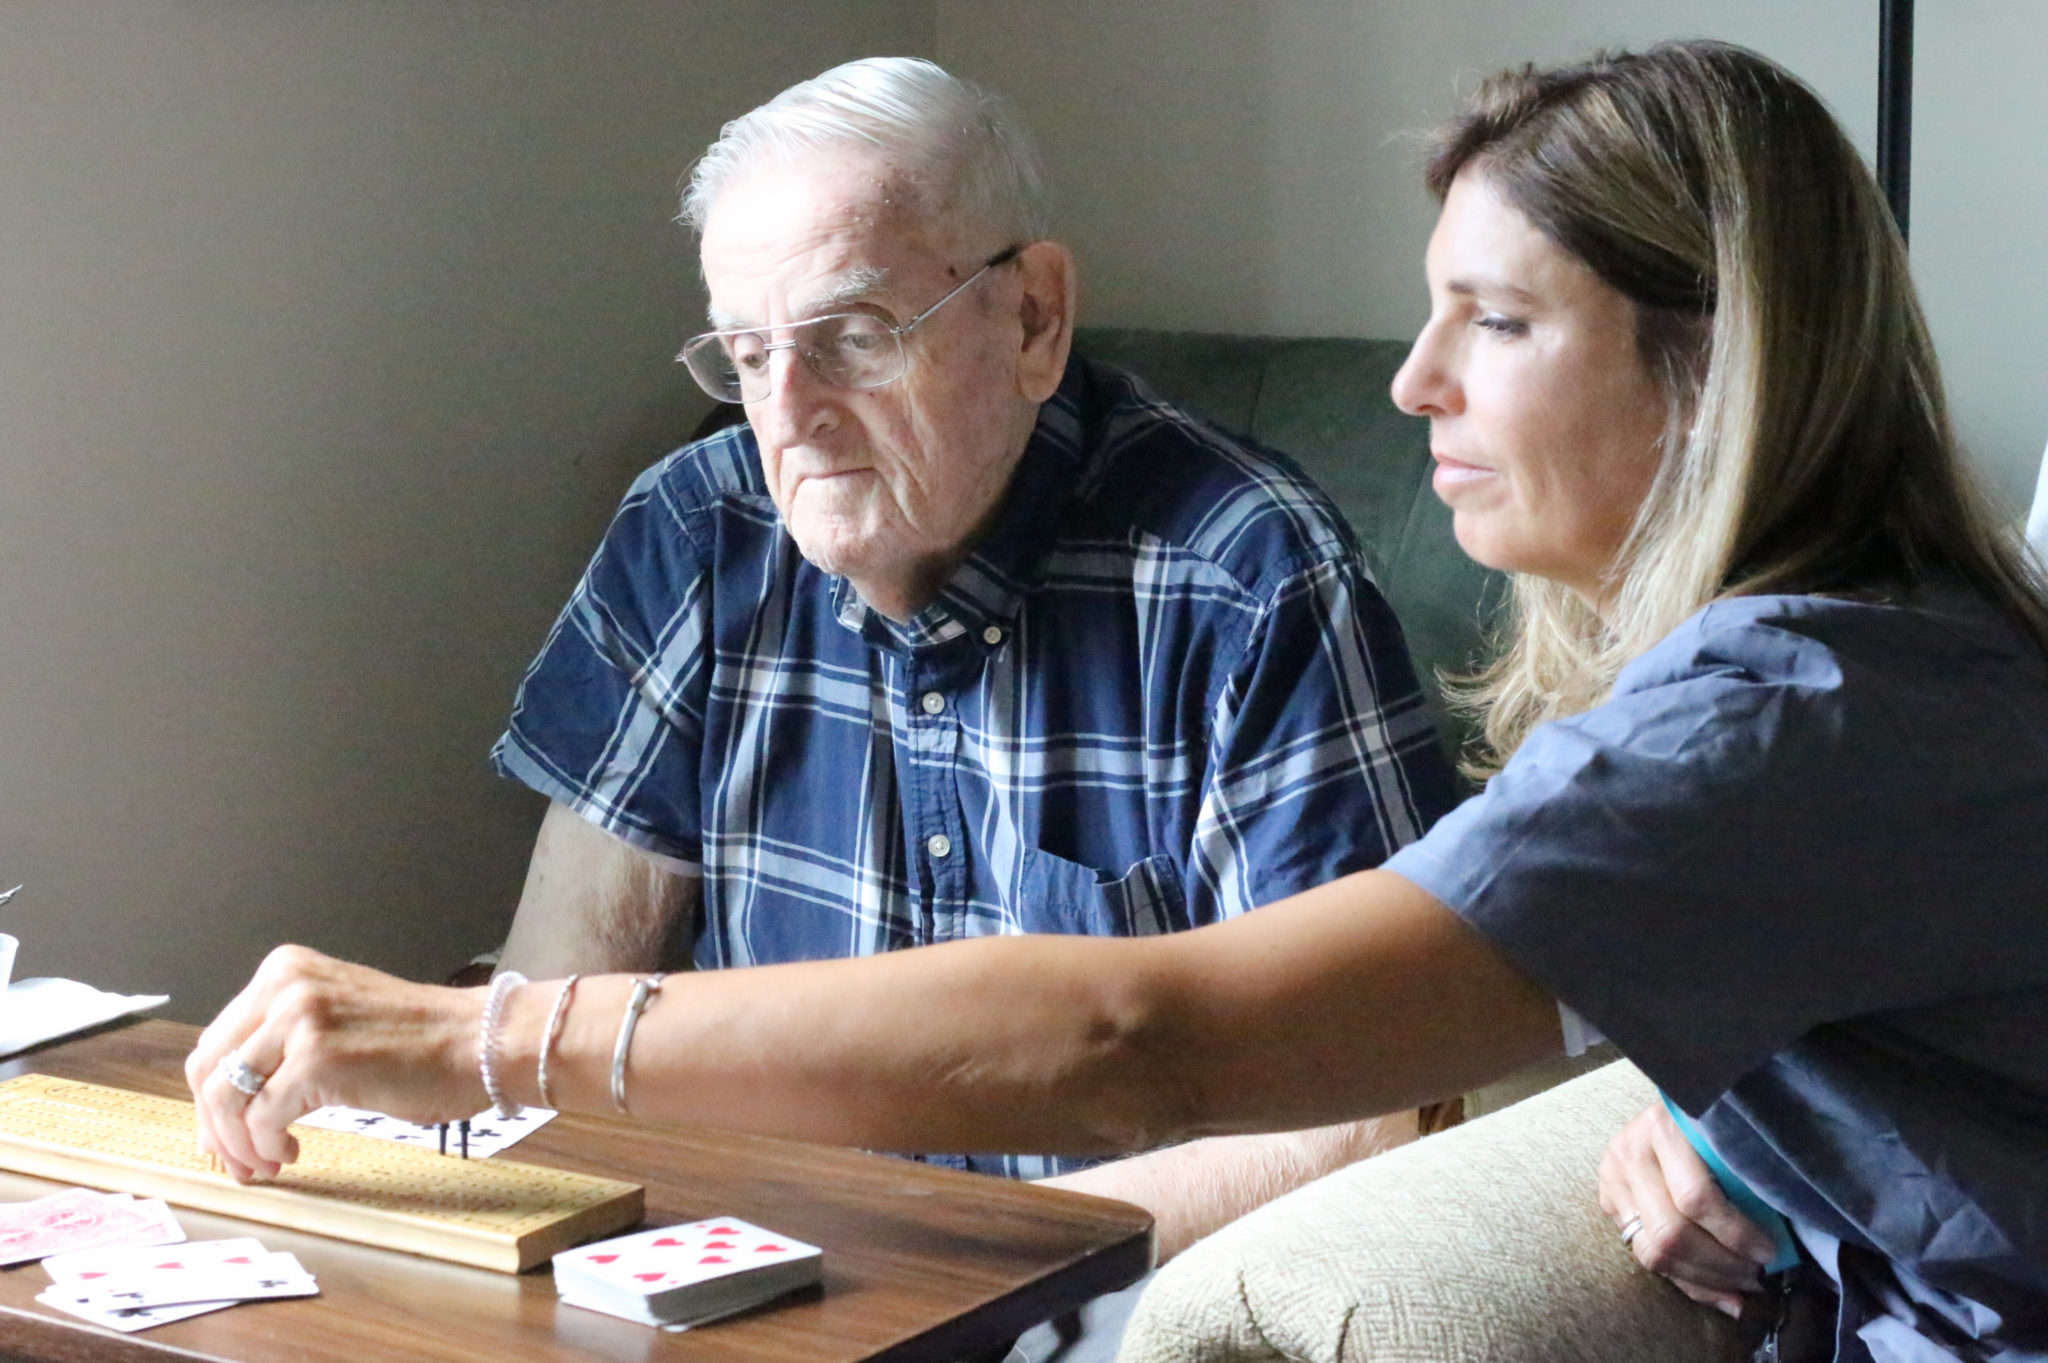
(464, 1125)
(444, 1137)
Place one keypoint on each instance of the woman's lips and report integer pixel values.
(1455, 472)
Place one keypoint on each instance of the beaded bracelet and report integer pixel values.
(644, 990)
(553, 1034)
(487, 1040)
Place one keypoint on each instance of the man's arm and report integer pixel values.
(1195, 1189)
(593, 903)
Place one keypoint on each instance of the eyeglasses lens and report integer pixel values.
(849, 351)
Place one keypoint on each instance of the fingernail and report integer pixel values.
(1729, 1307)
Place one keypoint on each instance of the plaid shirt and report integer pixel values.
(1161, 691)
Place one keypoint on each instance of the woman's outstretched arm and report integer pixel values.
(1361, 996)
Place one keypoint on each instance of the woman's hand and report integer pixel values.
(320, 1031)
(1688, 1230)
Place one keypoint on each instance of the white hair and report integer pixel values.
(961, 145)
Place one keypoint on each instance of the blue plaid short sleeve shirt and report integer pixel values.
(1161, 691)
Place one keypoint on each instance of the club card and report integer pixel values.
(488, 1133)
(79, 1218)
(128, 1322)
(658, 1261)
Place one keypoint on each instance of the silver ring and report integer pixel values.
(240, 1076)
(1630, 1229)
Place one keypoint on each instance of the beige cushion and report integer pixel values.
(1485, 1243)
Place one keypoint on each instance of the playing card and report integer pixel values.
(488, 1133)
(92, 1264)
(81, 1275)
(654, 1261)
(177, 1283)
(640, 1315)
(130, 1321)
(685, 1275)
(79, 1218)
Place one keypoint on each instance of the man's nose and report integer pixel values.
(1424, 385)
(798, 404)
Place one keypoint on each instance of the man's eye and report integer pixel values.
(1502, 326)
(858, 342)
(747, 353)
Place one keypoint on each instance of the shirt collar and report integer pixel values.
(989, 585)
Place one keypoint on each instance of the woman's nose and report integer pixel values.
(1424, 385)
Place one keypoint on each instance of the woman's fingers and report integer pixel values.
(319, 1031)
(1664, 1188)
(221, 1106)
(1698, 1198)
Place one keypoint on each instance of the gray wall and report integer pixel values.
(1980, 224)
(331, 334)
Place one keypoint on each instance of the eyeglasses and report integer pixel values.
(846, 349)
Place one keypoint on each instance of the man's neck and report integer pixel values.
(900, 596)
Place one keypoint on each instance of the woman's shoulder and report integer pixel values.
(1942, 631)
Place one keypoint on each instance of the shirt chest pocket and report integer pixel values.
(1057, 895)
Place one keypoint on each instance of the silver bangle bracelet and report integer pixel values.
(644, 990)
(548, 1038)
(502, 986)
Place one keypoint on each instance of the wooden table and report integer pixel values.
(920, 1263)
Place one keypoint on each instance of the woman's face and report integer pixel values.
(1543, 419)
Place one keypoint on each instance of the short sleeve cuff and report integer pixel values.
(514, 761)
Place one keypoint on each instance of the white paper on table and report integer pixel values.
(39, 1010)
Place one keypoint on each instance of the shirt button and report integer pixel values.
(939, 845)
(933, 702)
(992, 635)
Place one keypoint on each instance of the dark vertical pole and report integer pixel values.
(1895, 106)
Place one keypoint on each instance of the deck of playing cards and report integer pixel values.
(79, 1218)
(679, 1276)
(134, 1288)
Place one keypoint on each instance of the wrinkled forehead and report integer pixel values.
(797, 238)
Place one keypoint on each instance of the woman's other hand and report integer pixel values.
(1684, 1228)
(315, 1031)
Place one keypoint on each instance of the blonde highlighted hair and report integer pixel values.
(1807, 444)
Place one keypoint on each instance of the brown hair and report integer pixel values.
(1808, 445)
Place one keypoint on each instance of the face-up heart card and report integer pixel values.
(263, 1276)
(673, 1256)
(90, 1265)
(687, 1272)
(133, 1288)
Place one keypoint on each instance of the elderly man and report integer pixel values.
(958, 634)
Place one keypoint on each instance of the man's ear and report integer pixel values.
(1046, 309)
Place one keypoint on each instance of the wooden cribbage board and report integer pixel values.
(491, 1213)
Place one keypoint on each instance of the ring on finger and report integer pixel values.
(241, 1076)
(1630, 1229)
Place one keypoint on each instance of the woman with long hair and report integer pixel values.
(1767, 755)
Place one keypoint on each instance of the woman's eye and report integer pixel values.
(1502, 326)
